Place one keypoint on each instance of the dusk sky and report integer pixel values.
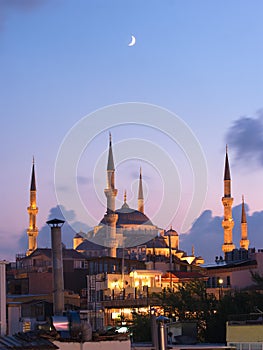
(68, 78)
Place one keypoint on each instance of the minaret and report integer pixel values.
(110, 191)
(244, 242)
(140, 194)
(227, 200)
(32, 210)
(111, 217)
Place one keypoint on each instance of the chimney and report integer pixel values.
(58, 281)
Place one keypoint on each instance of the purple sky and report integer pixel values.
(63, 60)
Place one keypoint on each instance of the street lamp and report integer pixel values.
(220, 283)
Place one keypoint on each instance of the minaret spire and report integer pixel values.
(140, 194)
(33, 178)
(227, 200)
(227, 177)
(110, 165)
(32, 210)
(244, 242)
(111, 192)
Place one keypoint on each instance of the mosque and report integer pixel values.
(129, 232)
(123, 232)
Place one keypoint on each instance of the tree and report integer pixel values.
(257, 278)
(141, 328)
(190, 302)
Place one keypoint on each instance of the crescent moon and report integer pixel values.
(133, 41)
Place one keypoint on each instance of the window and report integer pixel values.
(228, 284)
(255, 346)
(80, 264)
(244, 346)
(213, 282)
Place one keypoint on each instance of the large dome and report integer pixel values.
(128, 216)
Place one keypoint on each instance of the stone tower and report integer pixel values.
(244, 242)
(111, 217)
(32, 210)
(140, 194)
(227, 200)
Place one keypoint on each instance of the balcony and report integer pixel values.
(245, 319)
(245, 330)
(129, 302)
(23, 271)
(125, 303)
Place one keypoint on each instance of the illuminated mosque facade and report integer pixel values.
(128, 232)
(123, 232)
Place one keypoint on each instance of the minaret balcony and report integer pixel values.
(111, 218)
(32, 210)
(110, 192)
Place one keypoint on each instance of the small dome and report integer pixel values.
(125, 206)
(171, 232)
(79, 235)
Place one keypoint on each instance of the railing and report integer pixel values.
(31, 268)
(119, 303)
(253, 318)
(139, 302)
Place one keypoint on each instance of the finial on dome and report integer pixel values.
(125, 205)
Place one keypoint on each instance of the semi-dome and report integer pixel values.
(157, 242)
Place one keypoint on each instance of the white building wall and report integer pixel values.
(2, 298)
(15, 323)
